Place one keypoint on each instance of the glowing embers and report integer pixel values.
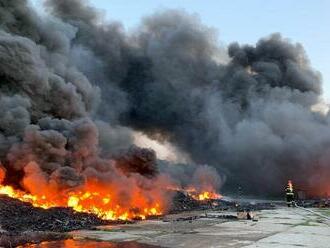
(199, 195)
(208, 196)
(203, 195)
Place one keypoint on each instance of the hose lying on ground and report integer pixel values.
(311, 211)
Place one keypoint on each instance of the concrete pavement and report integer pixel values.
(281, 227)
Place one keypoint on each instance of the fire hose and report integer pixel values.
(311, 211)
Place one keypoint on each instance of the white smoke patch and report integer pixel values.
(321, 107)
(164, 150)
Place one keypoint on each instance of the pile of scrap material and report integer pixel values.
(183, 202)
(21, 223)
(18, 217)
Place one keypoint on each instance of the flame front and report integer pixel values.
(208, 196)
(100, 203)
(203, 195)
(199, 195)
(96, 202)
(131, 197)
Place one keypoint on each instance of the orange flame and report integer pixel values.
(290, 185)
(208, 196)
(198, 195)
(203, 195)
(95, 201)
(129, 198)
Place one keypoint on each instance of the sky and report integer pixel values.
(244, 21)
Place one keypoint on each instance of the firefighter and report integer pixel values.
(289, 194)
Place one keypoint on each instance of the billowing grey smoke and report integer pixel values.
(61, 102)
(73, 89)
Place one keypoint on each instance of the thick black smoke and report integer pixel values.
(138, 160)
(247, 110)
(61, 102)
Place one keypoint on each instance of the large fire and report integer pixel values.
(90, 201)
(101, 203)
(107, 201)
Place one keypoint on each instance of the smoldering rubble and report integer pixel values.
(75, 87)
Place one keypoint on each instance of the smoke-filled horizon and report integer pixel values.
(74, 90)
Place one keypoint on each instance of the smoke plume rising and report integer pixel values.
(75, 88)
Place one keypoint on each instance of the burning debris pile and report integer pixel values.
(184, 202)
(96, 198)
(95, 202)
(17, 217)
(21, 222)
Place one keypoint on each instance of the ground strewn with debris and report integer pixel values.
(17, 216)
(210, 224)
(280, 227)
(21, 222)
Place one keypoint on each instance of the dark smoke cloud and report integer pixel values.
(60, 102)
(138, 160)
(99, 49)
(74, 88)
